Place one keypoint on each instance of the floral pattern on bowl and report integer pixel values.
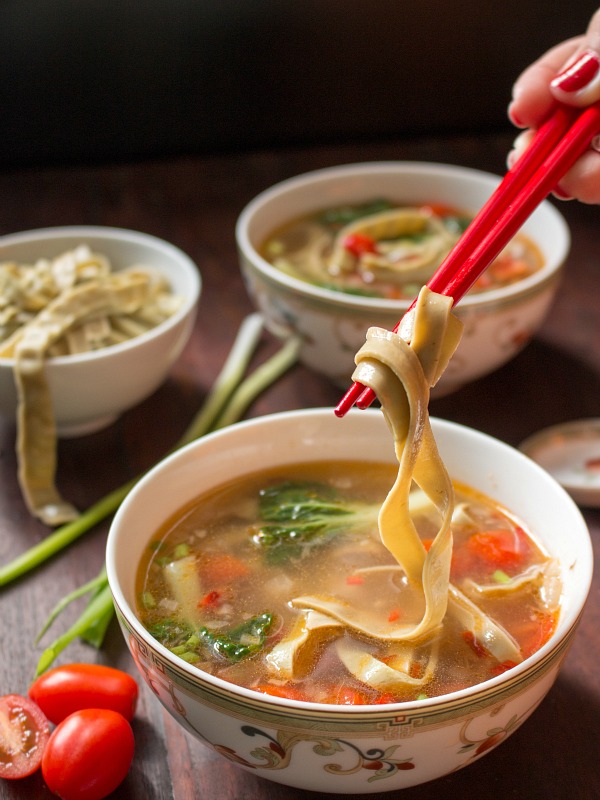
(258, 740)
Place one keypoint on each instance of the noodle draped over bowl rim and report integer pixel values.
(76, 301)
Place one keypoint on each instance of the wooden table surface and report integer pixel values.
(194, 202)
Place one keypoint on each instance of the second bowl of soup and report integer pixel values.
(329, 253)
(263, 611)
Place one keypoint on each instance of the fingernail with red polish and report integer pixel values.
(561, 194)
(514, 118)
(579, 74)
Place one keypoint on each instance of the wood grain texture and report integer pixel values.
(194, 202)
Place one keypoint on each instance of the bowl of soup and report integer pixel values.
(329, 253)
(262, 611)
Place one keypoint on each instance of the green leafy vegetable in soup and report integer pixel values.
(296, 516)
(242, 641)
(385, 249)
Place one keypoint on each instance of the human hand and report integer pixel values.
(568, 73)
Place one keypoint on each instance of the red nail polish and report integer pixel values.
(577, 76)
(561, 194)
(514, 119)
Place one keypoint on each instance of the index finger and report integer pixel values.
(532, 98)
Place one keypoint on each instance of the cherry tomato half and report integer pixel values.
(24, 732)
(63, 690)
(88, 754)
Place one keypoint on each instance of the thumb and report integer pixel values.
(578, 82)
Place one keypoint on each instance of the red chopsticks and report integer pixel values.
(554, 149)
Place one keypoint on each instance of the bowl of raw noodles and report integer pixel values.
(92, 320)
(328, 253)
(110, 311)
(291, 593)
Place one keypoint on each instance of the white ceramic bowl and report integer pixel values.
(330, 748)
(90, 390)
(333, 325)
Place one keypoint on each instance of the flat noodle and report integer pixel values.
(391, 676)
(401, 375)
(88, 336)
(392, 368)
(293, 656)
(25, 289)
(123, 292)
(36, 438)
(492, 636)
(537, 576)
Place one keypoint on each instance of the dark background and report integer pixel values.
(101, 80)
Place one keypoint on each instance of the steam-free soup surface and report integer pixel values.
(382, 248)
(218, 583)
